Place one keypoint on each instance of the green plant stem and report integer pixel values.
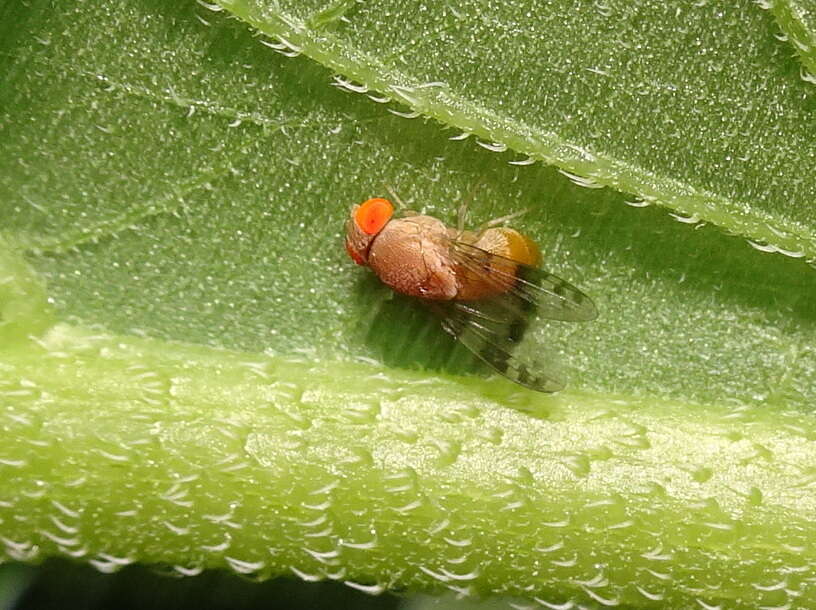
(118, 449)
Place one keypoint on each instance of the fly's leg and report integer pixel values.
(404, 212)
(394, 196)
(461, 219)
(462, 212)
(501, 220)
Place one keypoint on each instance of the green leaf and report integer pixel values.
(211, 382)
(798, 21)
(696, 107)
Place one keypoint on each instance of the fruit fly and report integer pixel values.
(484, 285)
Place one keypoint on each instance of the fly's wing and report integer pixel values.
(492, 327)
(531, 288)
(486, 330)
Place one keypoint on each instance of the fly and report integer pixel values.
(484, 285)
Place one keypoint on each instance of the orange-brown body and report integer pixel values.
(412, 255)
(484, 286)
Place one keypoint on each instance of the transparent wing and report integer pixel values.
(484, 328)
(492, 327)
(531, 288)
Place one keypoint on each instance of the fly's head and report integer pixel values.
(365, 223)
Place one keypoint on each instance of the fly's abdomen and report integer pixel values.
(497, 276)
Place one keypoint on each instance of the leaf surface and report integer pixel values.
(698, 107)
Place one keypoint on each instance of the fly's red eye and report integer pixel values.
(372, 215)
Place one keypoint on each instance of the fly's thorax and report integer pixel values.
(411, 256)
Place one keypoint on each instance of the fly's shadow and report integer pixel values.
(403, 333)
